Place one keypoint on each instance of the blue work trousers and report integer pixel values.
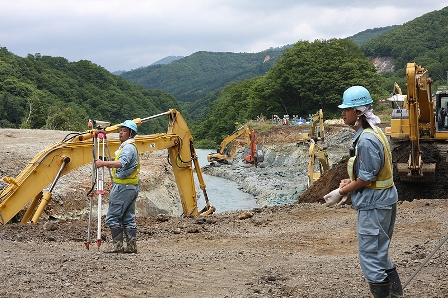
(375, 228)
(121, 211)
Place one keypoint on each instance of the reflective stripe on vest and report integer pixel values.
(131, 179)
(384, 177)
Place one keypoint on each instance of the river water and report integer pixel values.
(223, 194)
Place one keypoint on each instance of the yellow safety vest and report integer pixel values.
(385, 176)
(131, 179)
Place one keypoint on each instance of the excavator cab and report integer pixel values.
(442, 111)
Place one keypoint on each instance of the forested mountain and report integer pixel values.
(46, 92)
(195, 76)
(366, 35)
(307, 77)
(167, 60)
(422, 40)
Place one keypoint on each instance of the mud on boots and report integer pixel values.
(131, 240)
(396, 289)
(117, 241)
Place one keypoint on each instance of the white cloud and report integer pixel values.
(122, 35)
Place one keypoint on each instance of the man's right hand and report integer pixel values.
(332, 198)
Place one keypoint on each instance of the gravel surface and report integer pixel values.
(294, 250)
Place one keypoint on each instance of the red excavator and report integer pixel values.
(256, 151)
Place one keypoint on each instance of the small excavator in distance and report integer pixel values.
(222, 155)
(29, 190)
(317, 129)
(419, 122)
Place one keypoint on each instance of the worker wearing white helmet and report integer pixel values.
(120, 216)
(373, 192)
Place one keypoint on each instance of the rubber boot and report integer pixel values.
(131, 241)
(380, 290)
(117, 241)
(396, 289)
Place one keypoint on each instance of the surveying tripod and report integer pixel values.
(99, 152)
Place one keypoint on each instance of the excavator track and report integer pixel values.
(433, 152)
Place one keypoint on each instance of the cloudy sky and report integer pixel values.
(127, 34)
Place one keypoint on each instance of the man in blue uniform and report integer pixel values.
(121, 213)
(373, 192)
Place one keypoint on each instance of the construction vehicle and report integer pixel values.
(317, 129)
(317, 162)
(223, 153)
(418, 124)
(28, 188)
(397, 98)
(256, 151)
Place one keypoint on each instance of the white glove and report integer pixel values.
(332, 198)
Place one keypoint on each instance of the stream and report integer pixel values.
(223, 194)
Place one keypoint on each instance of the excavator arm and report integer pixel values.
(28, 188)
(318, 158)
(415, 122)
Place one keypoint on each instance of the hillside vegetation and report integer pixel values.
(369, 34)
(44, 92)
(422, 40)
(193, 77)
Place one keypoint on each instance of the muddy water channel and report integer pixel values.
(224, 194)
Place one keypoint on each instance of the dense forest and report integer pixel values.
(193, 77)
(46, 92)
(422, 40)
(369, 34)
(217, 92)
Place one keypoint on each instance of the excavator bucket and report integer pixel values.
(426, 174)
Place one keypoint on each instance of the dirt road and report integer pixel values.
(299, 250)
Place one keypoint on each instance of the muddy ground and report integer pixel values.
(295, 250)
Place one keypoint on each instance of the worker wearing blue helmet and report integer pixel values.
(120, 216)
(373, 192)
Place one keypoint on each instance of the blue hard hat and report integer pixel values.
(129, 124)
(355, 96)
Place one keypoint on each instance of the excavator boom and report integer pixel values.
(27, 189)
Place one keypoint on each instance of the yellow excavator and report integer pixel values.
(31, 189)
(419, 123)
(222, 155)
(317, 162)
(317, 129)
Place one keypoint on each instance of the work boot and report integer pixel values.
(396, 290)
(131, 241)
(380, 290)
(117, 241)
